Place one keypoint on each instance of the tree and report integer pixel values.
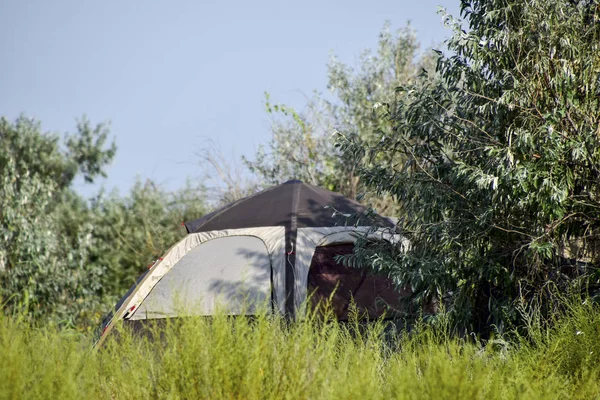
(39, 270)
(302, 147)
(64, 258)
(500, 189)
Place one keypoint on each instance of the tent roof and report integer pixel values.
(292, 203)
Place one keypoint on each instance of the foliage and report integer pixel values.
(302, 147)
(299, 147)
(38, 268)
(500, 189)
(64, 258)
(265, 358)
(128, 233)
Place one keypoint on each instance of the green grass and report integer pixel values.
(226, 358)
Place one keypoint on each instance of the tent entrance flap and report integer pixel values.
(340, 286)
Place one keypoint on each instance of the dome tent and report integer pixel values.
(271, 247)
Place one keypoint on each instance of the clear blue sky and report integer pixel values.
(171, 74)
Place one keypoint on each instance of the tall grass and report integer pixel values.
(266, 358)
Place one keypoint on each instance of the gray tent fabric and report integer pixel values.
(272, 237)
(255, 251)
(226, 273)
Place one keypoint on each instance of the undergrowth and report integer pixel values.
(267, 358)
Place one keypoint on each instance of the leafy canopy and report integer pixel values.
(40, 269)
(301, 145)
(499, 161)
(65, 258)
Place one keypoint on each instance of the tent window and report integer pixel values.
(372, 294)
(232, 274)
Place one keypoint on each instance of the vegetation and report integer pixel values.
(267, 359)
(301, 145)
(39, 267)
(490, 159)
(499, 187)
(64, 258)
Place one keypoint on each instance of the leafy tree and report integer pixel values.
(65, 258)
(38, 268)
(500, 189)
(302, 147)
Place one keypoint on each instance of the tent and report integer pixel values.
(271, 248)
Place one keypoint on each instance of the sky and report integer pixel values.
(175, 77)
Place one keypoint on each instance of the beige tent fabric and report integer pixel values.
(273, 238)
(309, 239)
